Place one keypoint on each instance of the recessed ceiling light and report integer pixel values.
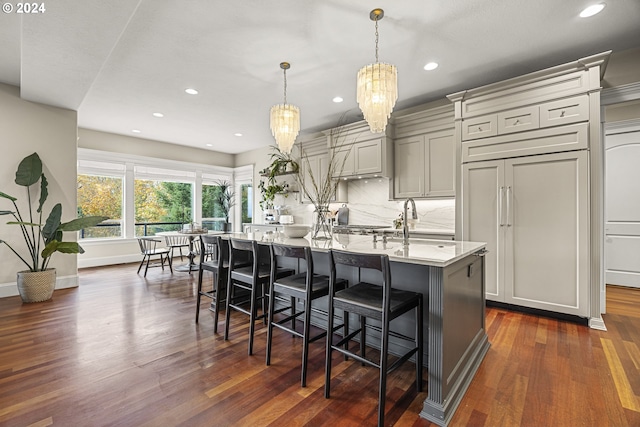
(237, 134)
(338, 99)
(191, 91)
(158, 115)
(209, 145)
(592, 10)
(135, 130)
(431, 66)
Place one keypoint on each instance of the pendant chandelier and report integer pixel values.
(285, 119)
(377, 87)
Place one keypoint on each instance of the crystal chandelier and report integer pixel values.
(377, 90)
(285, 119)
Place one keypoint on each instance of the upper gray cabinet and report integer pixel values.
(358, 152)
(424, 153)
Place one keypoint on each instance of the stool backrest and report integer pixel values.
(214, 246)
(361, 260)
(239, 249)
(299, 252)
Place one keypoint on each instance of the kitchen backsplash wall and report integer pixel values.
(369, 204)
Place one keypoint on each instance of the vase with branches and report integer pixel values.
(321, 189)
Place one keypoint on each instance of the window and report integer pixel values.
(100, 192)
(246, 204)
(144, 196)
(163, 200)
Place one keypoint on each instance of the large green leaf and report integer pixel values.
(64, 247)
(29, 170)
(43, 192)
(80, 223)
(28, 224)
(6, 196)
(53, 222)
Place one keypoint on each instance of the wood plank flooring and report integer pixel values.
(122, 350)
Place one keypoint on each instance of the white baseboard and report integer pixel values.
(110, 260)
(597, 323)
(62, 282)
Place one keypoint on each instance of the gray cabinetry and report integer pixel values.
(425, 165)
(424, 152)
(527, 148)
(532, 212)
(364, 153)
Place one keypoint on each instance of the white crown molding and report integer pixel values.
(618, 94)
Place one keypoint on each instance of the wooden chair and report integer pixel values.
(214, 257)
(148, 248)
(305, 286)
(380, 302)
(253, 279)
(176, 242)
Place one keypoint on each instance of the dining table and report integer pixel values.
(192, 265)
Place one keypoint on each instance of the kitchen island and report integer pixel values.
(450, 275)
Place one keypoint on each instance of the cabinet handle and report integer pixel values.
(516, 122)
(479, 129)
(509, 206)
(500, 196)
(562, 114)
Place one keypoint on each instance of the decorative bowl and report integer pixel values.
(296, 230)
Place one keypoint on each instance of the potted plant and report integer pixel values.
(42, 240)
(226, 200)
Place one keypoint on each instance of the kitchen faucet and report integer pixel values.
(405, 222)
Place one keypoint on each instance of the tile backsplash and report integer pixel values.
(369, 204)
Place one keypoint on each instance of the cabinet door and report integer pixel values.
(318, 167)
(368, 157)
(547, 232)
(344, 154)
(483, 191)
(440, 163)
(409, 164)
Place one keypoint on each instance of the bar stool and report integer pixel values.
(305, 286)
(218, 251)
(253, 279)
(382, 303)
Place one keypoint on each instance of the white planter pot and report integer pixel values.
(36, 286)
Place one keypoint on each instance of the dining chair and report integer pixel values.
(380, 302)
(176, 242)
(148, 249)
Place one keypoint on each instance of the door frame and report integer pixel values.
(610, 96)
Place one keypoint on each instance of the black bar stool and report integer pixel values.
(305, 286)
(253, 279)
(382, 303)
(217, 251)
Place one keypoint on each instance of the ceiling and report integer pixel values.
(119, 61)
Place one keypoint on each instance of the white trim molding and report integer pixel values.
(62, 282)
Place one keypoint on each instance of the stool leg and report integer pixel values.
(252, 315)
(217, 292)
(227, 314)
(200, 274)
(383, 369)
(419, 342)
(327, 364)
(363, 337)
(270, 323)
(305, 339)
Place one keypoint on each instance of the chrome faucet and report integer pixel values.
(405, 222)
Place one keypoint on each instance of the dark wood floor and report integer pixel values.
(122, 350)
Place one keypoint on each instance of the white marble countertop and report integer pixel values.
(438, 253)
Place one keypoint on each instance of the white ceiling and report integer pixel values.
(116, 62)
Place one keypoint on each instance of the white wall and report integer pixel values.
(104, 141)
(27, 127)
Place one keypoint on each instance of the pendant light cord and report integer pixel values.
(285, 86)
(376, 39)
